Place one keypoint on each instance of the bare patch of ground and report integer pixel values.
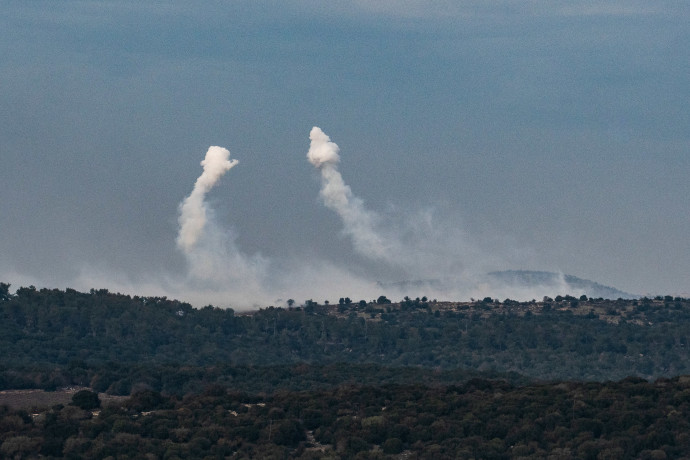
(38, 399)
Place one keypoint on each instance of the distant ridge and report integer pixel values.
(528, 278)
(550, 283)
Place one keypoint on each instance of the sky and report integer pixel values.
(470, 137)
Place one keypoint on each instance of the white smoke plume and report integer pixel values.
(359, 223)
(215, 263)
(431, 256)
(421, 256)
(408, 243)
(222, 274)
(193, 209)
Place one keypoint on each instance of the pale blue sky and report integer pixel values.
(545, 135)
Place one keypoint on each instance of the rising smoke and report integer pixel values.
(421, 256)
(433, 256)
(359, 223)
(436, 258)
(193, 210)
(411, 244)
(214, 261)
(221, 273)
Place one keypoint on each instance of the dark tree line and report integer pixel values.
(49, 336)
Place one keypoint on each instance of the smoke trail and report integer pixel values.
(359, 223)
(414, 246)
(439, 258)
(216, 266)
(193, 209)
(410, 244)
(221, 273)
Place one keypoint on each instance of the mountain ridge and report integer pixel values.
(532, 278)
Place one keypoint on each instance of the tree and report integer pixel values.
(20, 447)
(4, 292)
(146, 400)
(86, 399)
(288, 433)
(392, 446)
(382, 300)
(310, 306)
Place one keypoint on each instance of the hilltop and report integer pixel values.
(113, 342)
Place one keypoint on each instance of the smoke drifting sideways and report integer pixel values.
(359, 224)
(220, 273)
(437, 259)
(434, 258)
(412, 253)
(412, 246)
(214, 261)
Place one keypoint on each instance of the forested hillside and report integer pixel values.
(112, 342)
(411, 379)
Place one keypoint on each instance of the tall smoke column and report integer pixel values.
(193, 209)
(359, 223)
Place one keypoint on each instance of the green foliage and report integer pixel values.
(392, 446)
(4, 292)
(120, 344)
(86, 400)
(146, 400)
(481, 418)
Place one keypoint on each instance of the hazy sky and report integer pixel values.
(477, 136)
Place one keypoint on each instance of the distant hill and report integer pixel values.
(525, 284)
(528, 279)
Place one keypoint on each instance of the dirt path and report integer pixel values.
(29, 399)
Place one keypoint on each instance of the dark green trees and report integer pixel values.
(86, 400)
(4, 292)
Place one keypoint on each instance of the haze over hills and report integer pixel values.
(523, 285)
(566, 337)
(528, 278)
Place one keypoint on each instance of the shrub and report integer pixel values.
(86, 399)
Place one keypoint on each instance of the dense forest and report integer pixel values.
(52, 338)
(479, 419)
(417, 378)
